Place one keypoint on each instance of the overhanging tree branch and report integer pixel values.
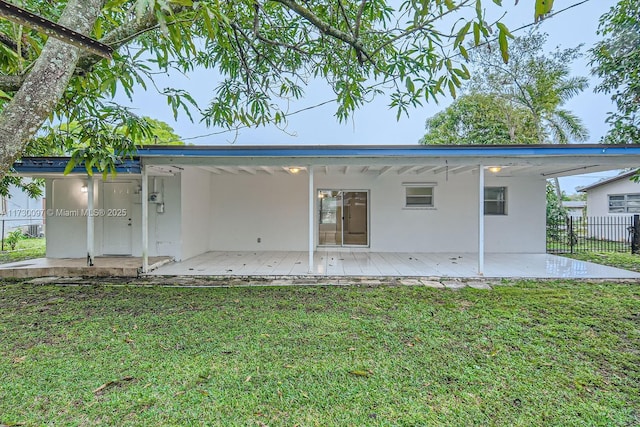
(115, 39)
(24, 17)
(323, 26)
(44, 85)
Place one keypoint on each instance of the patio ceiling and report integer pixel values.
(549, 171)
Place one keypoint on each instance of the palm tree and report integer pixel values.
(538, 82)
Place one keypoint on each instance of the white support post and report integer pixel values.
(481, 220)
(90, 222)
(311, 216)
(145, 219)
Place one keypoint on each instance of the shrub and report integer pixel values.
(13, 238)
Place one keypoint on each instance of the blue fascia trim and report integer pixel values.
(42, 165)
(390, 151)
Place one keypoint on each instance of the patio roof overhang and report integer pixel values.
(543, 161)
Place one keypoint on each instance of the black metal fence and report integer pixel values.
(594, 234)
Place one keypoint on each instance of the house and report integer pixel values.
(575, 208)
(613, 201)
(614, 196)
(189, 200)
(19, 211)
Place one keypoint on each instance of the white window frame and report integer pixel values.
(505, 202)
(430, 185)
(625, 203)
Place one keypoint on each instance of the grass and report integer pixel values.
(27, 248)
(625, 261)
(562, 353)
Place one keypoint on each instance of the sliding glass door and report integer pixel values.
(343, 218)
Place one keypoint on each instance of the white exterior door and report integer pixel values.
(116, 238)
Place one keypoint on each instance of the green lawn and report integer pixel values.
(625, 261)
(562, 353)
(25, 249)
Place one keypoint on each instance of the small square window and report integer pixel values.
(495, 200)
(419, 197)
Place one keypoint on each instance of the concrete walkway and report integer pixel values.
(110, 266)
(237, 282)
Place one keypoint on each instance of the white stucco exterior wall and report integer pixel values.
(204, 212)
(164, 228)
(523, 229)
(272, 208)
(195, 207)
(598, 197)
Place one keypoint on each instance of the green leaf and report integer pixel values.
(97, 29)
(503, 29)
(464, 74)
(187, 3)
(543, 7)
(410, 86)
(70, 165)
(464, 52)
(452, 88)
(476, 33)
(88, 165)
(4, 95)
(461, 34)
(504, 46)
(206, 19)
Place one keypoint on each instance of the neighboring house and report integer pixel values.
(618, 195)
(616, 198)
(185, 201)
(575, 208)
(19, 211)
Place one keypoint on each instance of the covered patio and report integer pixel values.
(403, 211)
(390, 264)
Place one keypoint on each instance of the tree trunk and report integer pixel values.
(44, 85)
(556, 181)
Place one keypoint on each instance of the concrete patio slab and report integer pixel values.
(365, 268)
(427, 266)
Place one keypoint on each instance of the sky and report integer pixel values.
(375, 123)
